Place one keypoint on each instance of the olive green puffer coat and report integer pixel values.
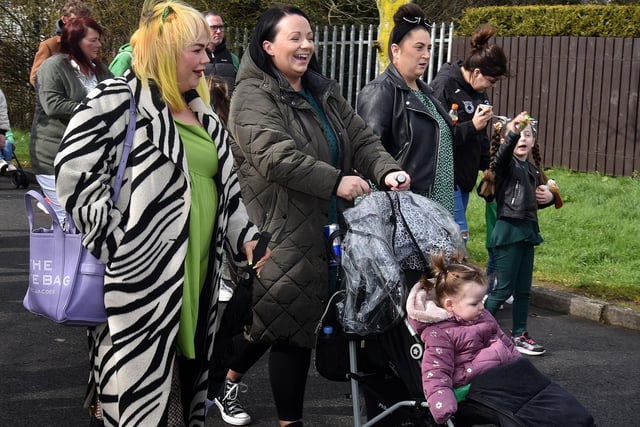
(287, 182)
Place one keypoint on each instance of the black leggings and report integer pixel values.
(288, 369)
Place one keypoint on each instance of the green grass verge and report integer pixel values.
(21, 141)
(592, 244)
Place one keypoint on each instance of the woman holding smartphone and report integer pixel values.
(465, 83)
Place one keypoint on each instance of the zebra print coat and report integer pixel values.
(142, 239)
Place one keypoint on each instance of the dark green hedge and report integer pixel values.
(575, 20)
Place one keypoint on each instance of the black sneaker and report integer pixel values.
(526, 345)
(227, 402)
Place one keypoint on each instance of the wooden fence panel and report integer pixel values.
(632, 146)
(606, 129)
(543, 50)
(583, 91)
(572, 104)
(597, 105)
(627, 101)
(588, 103)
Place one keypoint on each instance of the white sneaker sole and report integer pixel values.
(232, 420)
(529, 352)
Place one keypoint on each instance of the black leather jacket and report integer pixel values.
(516, 183)
(408, 131)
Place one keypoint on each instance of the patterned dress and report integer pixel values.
(443, 183)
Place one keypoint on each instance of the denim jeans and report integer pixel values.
(7, 152)
(460, 203)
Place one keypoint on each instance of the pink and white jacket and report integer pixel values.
(455, 350)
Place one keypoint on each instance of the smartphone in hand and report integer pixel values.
(485, 108)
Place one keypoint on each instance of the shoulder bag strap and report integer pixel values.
(128, 141)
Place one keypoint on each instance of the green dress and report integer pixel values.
(202, 160)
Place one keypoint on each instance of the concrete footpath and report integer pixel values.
(592, 350)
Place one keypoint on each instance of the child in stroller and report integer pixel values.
(389, 236)
(461, 338)
(462, 341)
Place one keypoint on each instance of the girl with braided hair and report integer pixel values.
(520, 190)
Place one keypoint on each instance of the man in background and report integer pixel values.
(51, 46)
(222, 63)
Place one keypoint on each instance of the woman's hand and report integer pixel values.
(248, 249)
(544, 196)
(481, 118)
(398, 181)
(352, 186)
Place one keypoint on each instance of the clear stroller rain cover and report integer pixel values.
(382, 232)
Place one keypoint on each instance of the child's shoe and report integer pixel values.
(3, 165)
(526, 345)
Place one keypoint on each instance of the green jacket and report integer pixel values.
(59, 92)
(122, 61)
(287, 182)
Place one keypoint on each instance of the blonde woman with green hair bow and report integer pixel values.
(162, 240)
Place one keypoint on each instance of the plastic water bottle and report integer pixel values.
(327, 331)
(453, 113)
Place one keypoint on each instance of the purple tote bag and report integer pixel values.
(66, 282)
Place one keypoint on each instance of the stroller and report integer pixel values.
(371, 344)
(18, 177)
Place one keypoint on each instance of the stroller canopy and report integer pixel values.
(387, 233)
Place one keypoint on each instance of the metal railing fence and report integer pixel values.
(349, 54)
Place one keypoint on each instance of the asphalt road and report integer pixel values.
(43, 366)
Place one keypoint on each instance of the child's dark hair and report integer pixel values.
(220, 100)
(537, 159)
(449, 277)
(496, 140)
